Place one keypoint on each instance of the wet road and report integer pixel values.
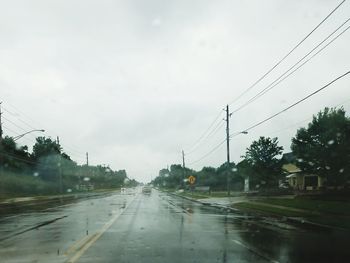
(133, 227)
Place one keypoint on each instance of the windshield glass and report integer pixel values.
(174, 131)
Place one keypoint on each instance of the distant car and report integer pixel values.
(146, 189)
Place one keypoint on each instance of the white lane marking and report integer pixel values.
(255, 251)
(97, 235)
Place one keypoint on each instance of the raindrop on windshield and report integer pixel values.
(341, 170)
(36, 174)
(86, 179)
(300, 160)
(330, 142)
(234, 169)
(156, 22)
(69, 190)
(327, 167)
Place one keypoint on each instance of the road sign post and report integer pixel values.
(191, 180)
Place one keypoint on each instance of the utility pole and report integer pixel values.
(183, 168)
(87, 159)
(0, 123)
(228, 115)
(1, 160)
(60, 169)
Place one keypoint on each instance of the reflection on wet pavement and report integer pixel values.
(161, 228)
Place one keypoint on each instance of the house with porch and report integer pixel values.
(297, 179)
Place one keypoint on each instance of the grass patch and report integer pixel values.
(268, 209)
(263, 207)
(201, 195)
(319, 206)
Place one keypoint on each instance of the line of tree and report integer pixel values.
(322, 148)
(49, 170)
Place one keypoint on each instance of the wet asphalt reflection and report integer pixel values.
(134, 227)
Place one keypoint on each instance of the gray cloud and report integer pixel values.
(134, 82)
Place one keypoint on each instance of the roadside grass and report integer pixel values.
(265, 209)
(31, 197)
(201, 195)
(330, 213)
(311, 205)
(13, 185)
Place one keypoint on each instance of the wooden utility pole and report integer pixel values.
(0, 123)
(60, 169)
(183, 168)
(1, 159)
(228, 115)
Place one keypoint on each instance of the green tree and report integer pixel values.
(45, 147)
(206, 177)
(262, 157)
(245, 170)
(175, 178)
(12, 156)
(236, 182)
(323, 148)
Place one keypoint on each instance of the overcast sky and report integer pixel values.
(135, 82)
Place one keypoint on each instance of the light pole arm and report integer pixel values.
(20, 136)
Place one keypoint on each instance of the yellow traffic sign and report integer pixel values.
(191, 179)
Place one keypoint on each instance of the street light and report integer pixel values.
(20, 136)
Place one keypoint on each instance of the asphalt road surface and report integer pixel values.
(135, 227)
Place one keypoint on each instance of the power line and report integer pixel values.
(209, 153)
(268, 72)
(15, 115)
(299, 122)
(20, 112)
(195, 145)
(285, 75)
(24, 160)
(17, 158)
(70, 148)
(212, 133)
(294, 104)
(16, 133)
(14, 124)
(287, 55)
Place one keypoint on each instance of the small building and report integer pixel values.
(298, 180)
